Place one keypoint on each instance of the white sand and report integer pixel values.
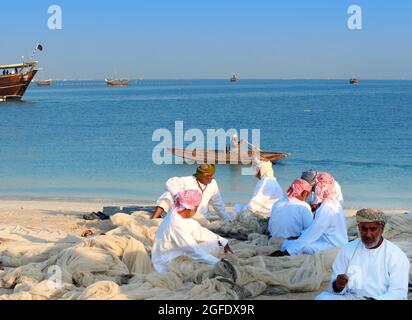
(67, 216)
(60, 215)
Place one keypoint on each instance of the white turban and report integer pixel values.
(265, 168)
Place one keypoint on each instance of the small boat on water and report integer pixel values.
(233, 79)
(354, 81)
(117, 82)
(15, 79)
(44, 83)
(226, 157)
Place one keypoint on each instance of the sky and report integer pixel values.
(187, 39)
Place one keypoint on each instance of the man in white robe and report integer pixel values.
(369, 268)
(179, 235)
(203, 181)
(234, 144)
(266, 193)
(328, 229)
(291, 215)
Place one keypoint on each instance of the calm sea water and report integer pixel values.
(84, 139)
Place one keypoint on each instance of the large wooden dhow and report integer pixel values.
(226, 157)
(15, 78)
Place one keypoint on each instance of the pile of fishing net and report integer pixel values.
(43, 264)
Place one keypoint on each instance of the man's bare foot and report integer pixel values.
(87, 233)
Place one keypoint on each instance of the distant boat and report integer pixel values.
(44, 83)
(233, 79)
(117, 82)
(15, 78)
(354, 81)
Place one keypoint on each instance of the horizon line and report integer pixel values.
(241, 79)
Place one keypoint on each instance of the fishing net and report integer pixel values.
(37, 264)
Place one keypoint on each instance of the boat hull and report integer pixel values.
(116, 83)
(43, 83)
(223, 157)
(15, 85)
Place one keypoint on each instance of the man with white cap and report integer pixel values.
(369, 268)
(179, 235)
(266, 193)
(203, 181)
(234, 143)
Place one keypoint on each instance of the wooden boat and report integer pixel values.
(44, 83)
(117, 82)
(15, 78)
(354, 81)
(233, 79)
(225, 157)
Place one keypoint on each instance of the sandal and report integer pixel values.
(95, 216)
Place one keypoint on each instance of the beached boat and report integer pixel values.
(354, 81)
(44, 83)
(117, 82)
(15, 78)
(225, 157)
(233, 79)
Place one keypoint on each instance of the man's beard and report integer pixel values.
(371, 243)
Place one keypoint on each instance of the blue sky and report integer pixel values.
(179, 39)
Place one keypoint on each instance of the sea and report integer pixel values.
(85, 140)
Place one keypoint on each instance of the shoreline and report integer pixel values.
(80, 201)
(79, 206)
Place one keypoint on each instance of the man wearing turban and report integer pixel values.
(328, 229)
(203, 181)
(371, 267)
(266, 193)
(310, 177)
(178, 235)
(291, 215)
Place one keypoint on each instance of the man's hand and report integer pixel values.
(227, 249)
(158, 213)
(341, 282)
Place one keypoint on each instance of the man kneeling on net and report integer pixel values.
(369, 268)
(179, 235)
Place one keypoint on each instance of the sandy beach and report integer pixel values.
(67, 215)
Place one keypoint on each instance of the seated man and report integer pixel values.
(369, 268)
(328, 229)
(202, 181)
(266, 193)
(178, 235)
(291, 215)
(310, 177)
